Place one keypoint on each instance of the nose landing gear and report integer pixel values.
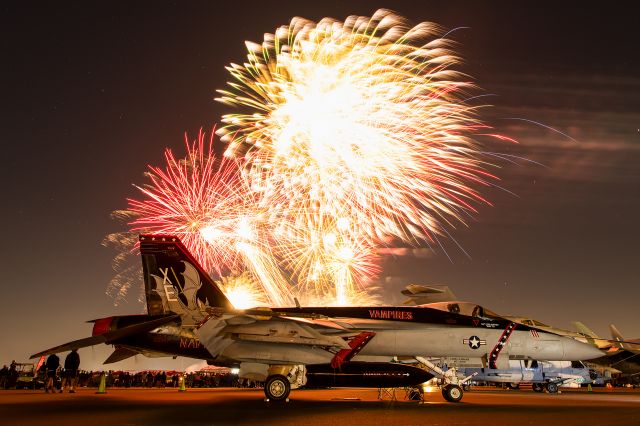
(452, 392)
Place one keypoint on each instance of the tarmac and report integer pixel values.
(230, 406)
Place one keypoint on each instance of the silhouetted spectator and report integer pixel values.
(71, 364)
(13, 375)
(4, 377)
(53, 362)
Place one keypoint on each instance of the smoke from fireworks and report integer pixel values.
(352, 134)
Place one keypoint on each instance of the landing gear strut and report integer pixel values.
(451, 384)
(277, 388)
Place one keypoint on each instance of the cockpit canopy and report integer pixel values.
(463, 308)
(533, 323)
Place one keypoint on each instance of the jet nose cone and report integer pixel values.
(578, 351)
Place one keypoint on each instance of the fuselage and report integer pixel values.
(399, 332)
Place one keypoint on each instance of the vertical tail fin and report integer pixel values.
(615, 334)
(591, 336)
(620, 342)
(584, 330)
(174, 281)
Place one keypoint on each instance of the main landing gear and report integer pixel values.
(282, 379)
(277, 388)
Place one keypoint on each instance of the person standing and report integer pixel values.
(4, 377)
(53, 362)
(71, 365)
(13, 375)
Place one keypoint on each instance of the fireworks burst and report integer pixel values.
(242, 291)
(197, 199)
(205, 203)
(354, 132)
(125, 264)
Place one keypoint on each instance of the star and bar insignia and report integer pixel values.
(474, 342)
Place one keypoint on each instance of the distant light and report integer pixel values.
(235, 370)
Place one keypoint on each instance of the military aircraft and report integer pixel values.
(541, 374)
(622, 359)
(188, 315)
(442, 297)
(622, 356)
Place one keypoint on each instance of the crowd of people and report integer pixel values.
(159, 379)
(54, 377)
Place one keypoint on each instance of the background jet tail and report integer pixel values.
(615, 333)
(584, 330)
(591, 336)
(174, 281)
(631, 346)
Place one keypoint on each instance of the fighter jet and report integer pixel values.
(622, 358)
(287, 348)
(442, 297)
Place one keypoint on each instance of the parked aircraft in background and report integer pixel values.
(622, 356)
(442, 297)
(188, 315)
(543, 375)
(622, 359)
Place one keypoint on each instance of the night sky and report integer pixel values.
(93, 92)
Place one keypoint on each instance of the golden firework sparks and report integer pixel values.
(353, 132)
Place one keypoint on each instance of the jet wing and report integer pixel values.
(214, 332)
(76, 344)
(109, 336)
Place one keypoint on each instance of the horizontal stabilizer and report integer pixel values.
(140, 328)
(120, 354)
(109, 337)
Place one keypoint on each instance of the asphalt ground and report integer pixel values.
(228, 406)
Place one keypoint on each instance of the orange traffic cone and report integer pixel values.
(102, 388)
